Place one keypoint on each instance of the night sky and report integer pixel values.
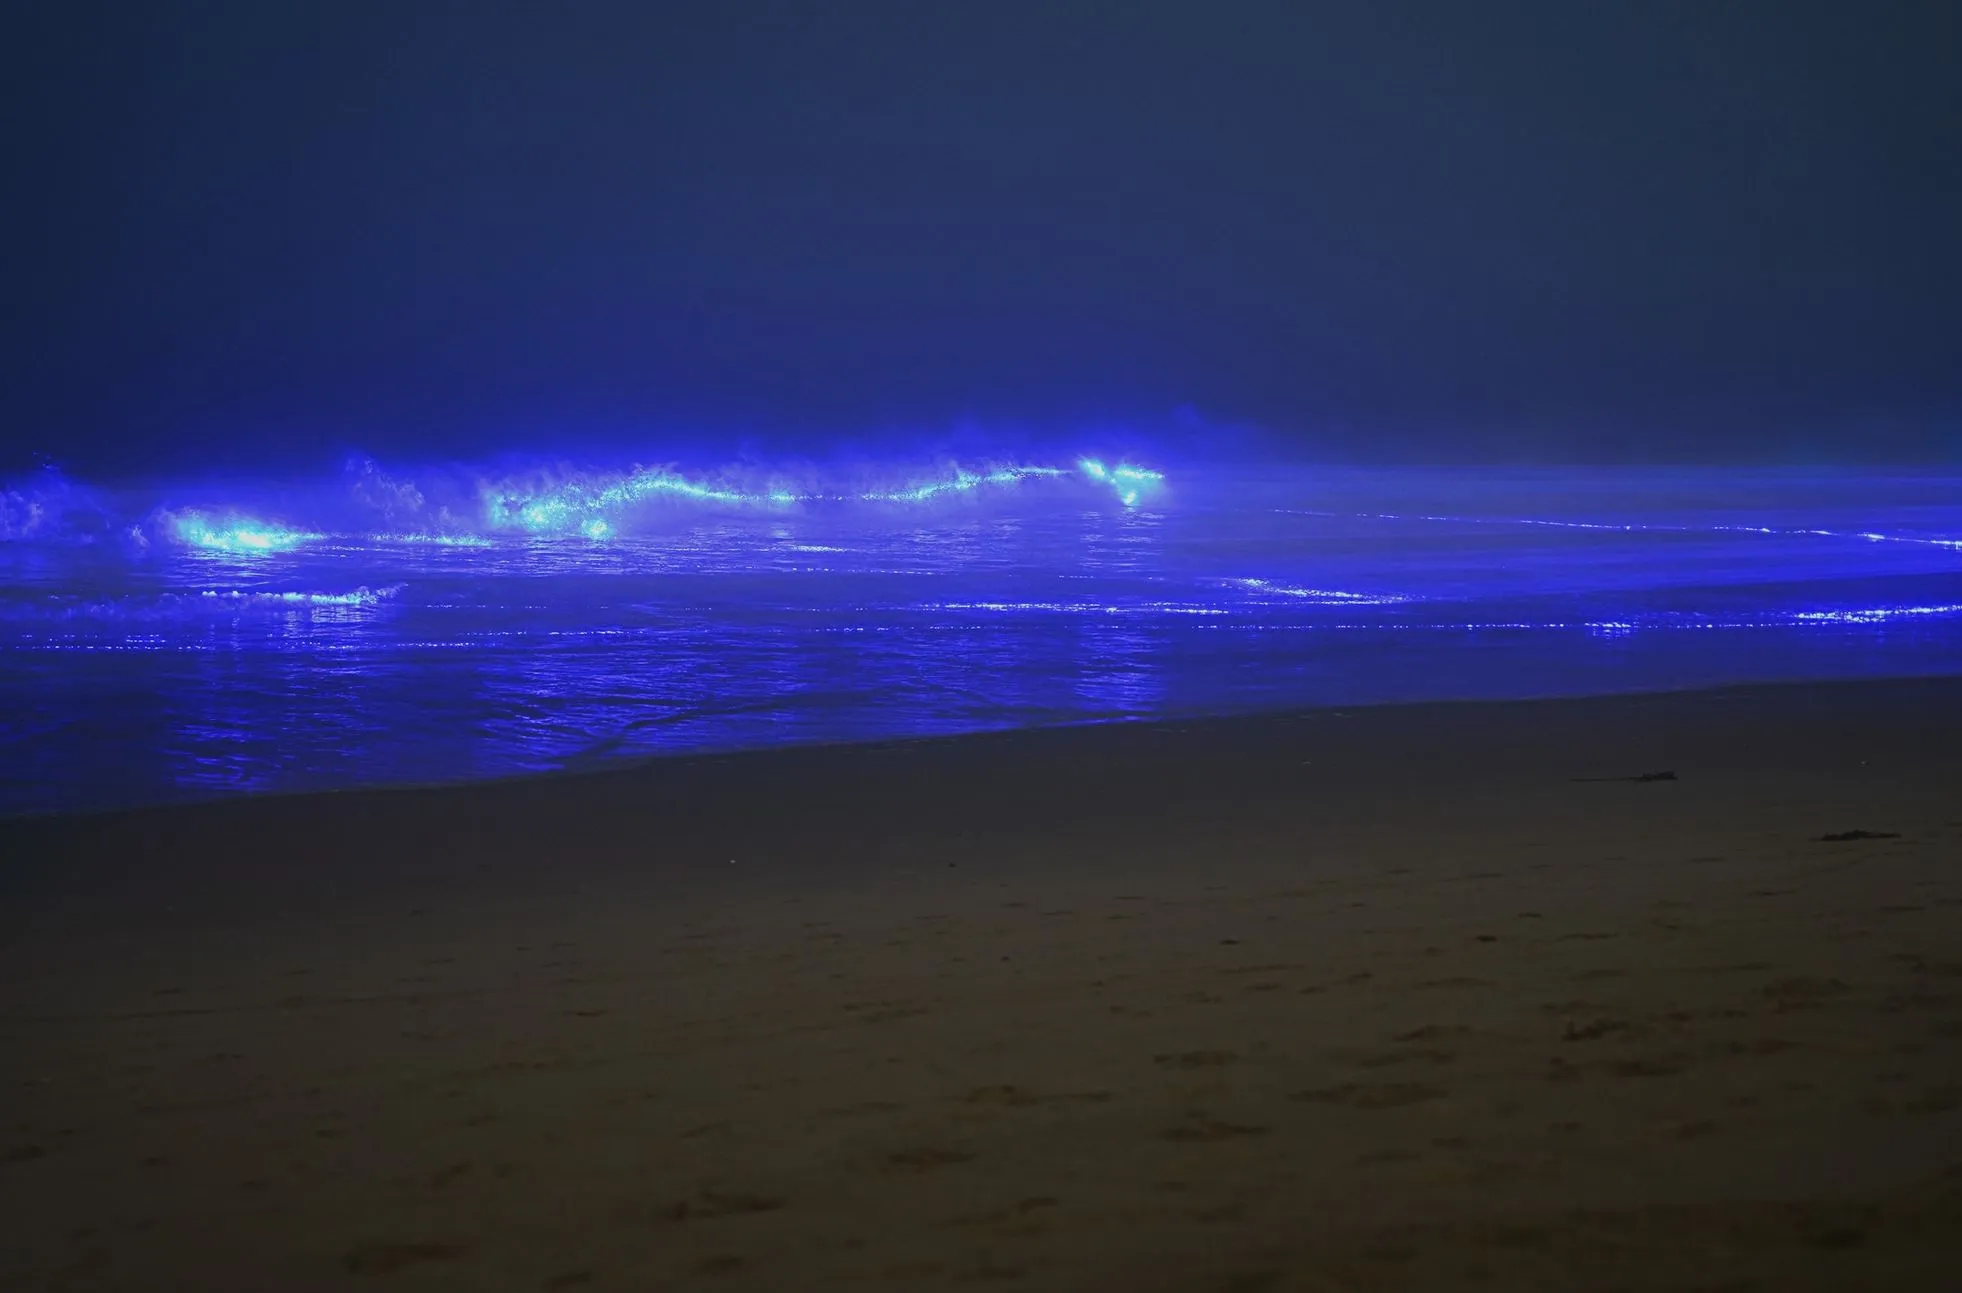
(265, 232)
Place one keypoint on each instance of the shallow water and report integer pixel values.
(171, 643)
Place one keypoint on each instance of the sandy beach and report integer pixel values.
(1414, 997)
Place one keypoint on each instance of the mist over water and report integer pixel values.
(179, 641)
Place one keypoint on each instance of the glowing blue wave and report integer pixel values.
(234, 533)
(431, 540)
(594, 508)
(1129, 482)
(169, 629)
(583, 506)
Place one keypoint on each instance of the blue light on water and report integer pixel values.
(431, 540)
(1875, 614)
(235, 534)
(960, 482)
(1640, 527)
(571, 505)
(240, 597)
(457, 622)
(574, 504)
(1130, 483)
(1325, 596)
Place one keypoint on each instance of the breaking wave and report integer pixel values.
(464, 507)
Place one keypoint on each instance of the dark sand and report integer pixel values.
(1377, 999)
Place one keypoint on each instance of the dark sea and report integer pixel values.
(192, 640)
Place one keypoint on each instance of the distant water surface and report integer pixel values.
(269, 641)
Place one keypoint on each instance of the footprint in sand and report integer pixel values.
(1270, 967)
(387, 1258)
(1208, 1131)
(1197, 1059)
(1371, 1095)
(1016, 1212)
(1413, 1055)
(1735, 1048)
(1561, 1070)
(706, 1203)
(1575, 1007)
(925, 1160)
(1934, 1100)
(1015, 1097)
(1434, 1032)
(453, 1172)
(1803, 994)
(1593, 1030)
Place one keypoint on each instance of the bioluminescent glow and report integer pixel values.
(457, 510)
(432, 540)
(1874, 614)
(235, 534)
(461, 622)
(1129, 482)
(573, 506)
(959, 483)
(1440, 616)
(163, 609)
(1637, 527)
(359, 597)
(1079, 608)
(1325, 596)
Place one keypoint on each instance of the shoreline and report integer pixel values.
(631, 765)
(1393, 996)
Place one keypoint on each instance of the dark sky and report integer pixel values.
(240, 232)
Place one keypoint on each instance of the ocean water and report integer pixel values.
(182, 641)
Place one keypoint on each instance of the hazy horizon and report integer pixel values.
(257, 236)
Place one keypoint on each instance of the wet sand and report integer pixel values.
(1389, 998)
